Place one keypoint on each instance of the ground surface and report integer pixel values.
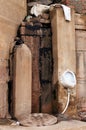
(63, 125)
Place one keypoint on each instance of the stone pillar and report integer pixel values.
(64, 57)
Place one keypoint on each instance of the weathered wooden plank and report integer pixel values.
(63, 43)
(22, 81)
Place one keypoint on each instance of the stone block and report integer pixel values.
(64, 57)
(3, 100)
(12, 11)
(11, 15)
(22, 81)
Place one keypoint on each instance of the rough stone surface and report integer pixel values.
(81, 64)
(79, 5)
(33, 43)
(22, 81)
(38, 39)
(11, 15)
(64, 57)
(3, 100)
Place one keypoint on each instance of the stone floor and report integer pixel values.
(63, 125)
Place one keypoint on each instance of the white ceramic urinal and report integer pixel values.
(68, 79)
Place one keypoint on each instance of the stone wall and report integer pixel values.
(80, 29)
(79, 5)
(11, 15)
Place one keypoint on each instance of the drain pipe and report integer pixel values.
(68, 100)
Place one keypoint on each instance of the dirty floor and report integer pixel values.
(63, 125)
